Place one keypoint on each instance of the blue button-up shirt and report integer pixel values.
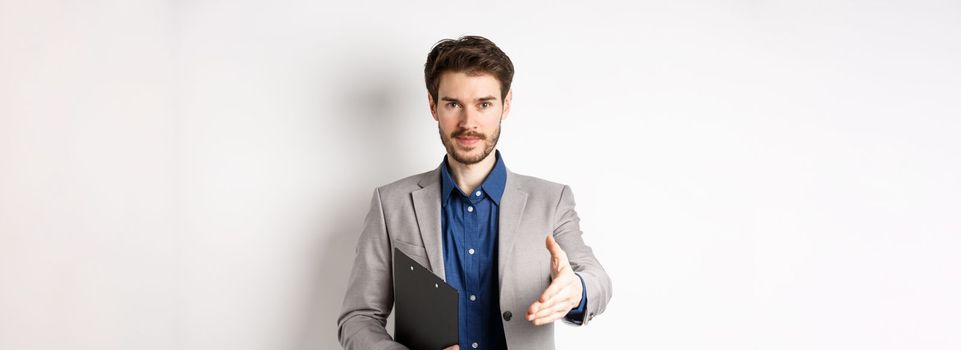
(469, 223)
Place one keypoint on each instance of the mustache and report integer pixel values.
(468, 133)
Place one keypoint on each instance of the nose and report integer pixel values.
(468, 119)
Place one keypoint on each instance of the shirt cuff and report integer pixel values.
(576, 315)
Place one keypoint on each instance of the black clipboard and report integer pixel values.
(425, 307)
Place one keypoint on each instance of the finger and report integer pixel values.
(549, 293)
(535, 306)
(571, 288)
(559, 305)
(561, 294)
(540, 309)
(555, 287)
(565, 303)
(545, 320)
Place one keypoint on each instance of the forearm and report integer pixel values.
(599, 291)
(360, 331)
(369, 297)
(568, 234)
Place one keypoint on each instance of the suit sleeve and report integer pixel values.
(567, 233)
(370, 295)
(576, 315)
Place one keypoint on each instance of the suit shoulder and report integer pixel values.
(402, 186)
(537, 185)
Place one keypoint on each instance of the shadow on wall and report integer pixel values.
(367, 120)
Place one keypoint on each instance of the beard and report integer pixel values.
(469, 155)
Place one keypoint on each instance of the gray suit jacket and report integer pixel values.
(407, 214)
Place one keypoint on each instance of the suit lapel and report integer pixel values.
(512, 206)
(427, 209)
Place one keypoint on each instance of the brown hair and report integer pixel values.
(473, 55)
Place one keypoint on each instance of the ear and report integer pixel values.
(507, 103)
(432, 106)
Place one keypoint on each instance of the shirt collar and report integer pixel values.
(493, 185)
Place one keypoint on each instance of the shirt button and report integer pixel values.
(474, 345)
(507, 315)
(478, 193)
(470, 209)
(470, 251)
(473, 297)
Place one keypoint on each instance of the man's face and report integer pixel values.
(468, 112)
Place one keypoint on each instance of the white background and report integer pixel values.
(753, 174)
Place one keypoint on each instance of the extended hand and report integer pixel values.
(562, 295)
(453, 347)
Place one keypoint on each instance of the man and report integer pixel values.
(510, 244)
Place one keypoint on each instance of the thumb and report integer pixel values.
(554, 248)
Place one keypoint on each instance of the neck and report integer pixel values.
(469, 176)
